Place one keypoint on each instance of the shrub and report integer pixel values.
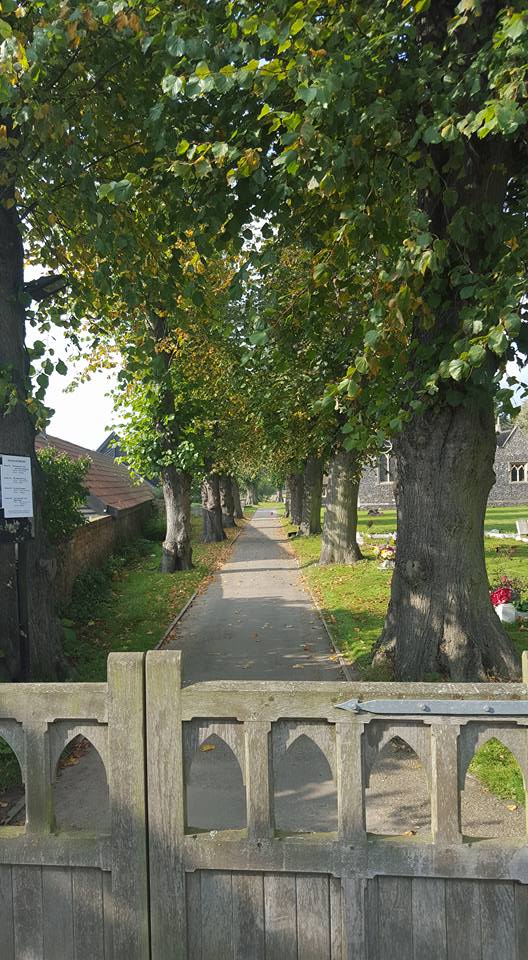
(64, 493)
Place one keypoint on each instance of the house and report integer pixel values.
(116, 507)
(111, 488)
(376, 488)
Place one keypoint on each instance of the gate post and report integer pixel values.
(126, 775)
(166, 805)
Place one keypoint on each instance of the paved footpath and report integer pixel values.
(256, 622)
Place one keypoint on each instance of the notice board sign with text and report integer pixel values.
(16, 499)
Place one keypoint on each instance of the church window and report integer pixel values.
(518, 472)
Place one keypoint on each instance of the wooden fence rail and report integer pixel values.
(154, 888)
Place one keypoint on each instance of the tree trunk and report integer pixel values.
(340, 522)
(440, 619)
(39, 655)
(213, 531)
(312, 494)
(296, 497)
(239, 513)
(227, 501)
(287, 498)
(280, 497)
(177, 550)
(252, 496)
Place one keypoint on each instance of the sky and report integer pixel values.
(84, 416)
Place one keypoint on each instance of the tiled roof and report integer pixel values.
(108, 481)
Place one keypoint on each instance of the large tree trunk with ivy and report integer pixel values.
(312, 494)
(213, 530)
(296, 486)
(30, 647)
(239, 513)
(440, 620)
(177, 550)
(340, 521)
(227, 501)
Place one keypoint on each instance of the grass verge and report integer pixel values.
(128, 604)
(354, 602)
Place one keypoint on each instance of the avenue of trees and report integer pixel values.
(299, 230)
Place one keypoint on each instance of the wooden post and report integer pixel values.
(445, 795)
(524, 661)
(166, 805)
(39, 798)
(259, 780)
(126, 739)
(350, 781)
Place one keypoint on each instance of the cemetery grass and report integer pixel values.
(354, 602)
(132, 608)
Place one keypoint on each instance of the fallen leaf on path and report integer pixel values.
(511, 807)
(334, 656)
(298, 666)
(409, 833)
(206, 747)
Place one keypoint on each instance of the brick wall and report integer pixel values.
(94, 542)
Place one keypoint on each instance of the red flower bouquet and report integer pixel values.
(501, 595)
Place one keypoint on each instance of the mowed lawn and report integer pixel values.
(354, 602)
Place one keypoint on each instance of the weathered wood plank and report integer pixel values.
(497, 921)
(463, 913)
(27, 913)
(54, 701)
(273, 700)
(259, 780)
(521, 919)
(193, 896)
(108, 911)
(39, 797)
(445, 796)
(57, 903)
(354, 917)
(88, 914)
(395, 924)
(336, 919)
(6, 914)
(126, 740)
(429, 919)
(54, 850)
(280, 911)
(406, 857)
(217, 915)
(350, 786)
(248, 916)
(372, 919)
(313, 917)
(166, 805)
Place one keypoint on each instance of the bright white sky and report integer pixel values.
(86, 415)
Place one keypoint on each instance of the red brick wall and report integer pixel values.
(94, 542)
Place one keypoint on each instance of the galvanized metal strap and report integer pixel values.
(465, 708)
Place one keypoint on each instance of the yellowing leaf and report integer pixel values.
(206, 747)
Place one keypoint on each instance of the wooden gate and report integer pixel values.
(253, 894)
(150, 888)
(77, 896)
